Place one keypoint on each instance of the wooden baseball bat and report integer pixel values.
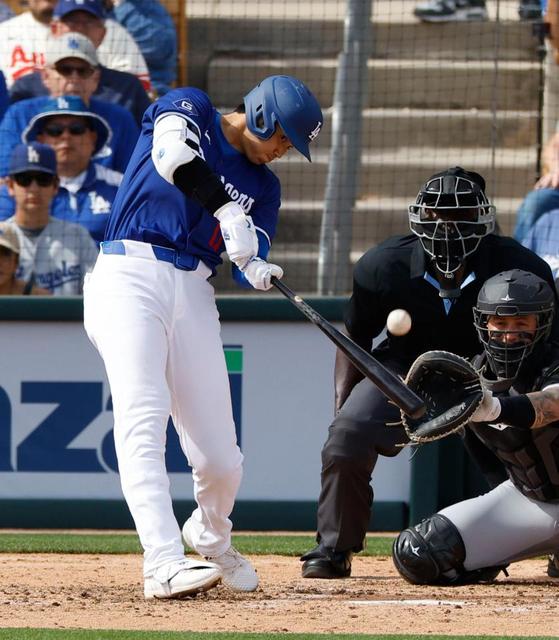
(389, 383)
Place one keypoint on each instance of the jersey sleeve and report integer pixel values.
(189, 103)
(364, 316)
(265, 217)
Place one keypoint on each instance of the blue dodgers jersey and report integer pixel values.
(149, 209)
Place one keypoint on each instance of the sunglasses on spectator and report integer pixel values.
(75, 129)
(42, 179)
(67, 70)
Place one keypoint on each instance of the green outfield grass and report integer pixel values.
(84, 634)
(129, 543)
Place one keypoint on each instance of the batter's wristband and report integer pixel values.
(517, 412)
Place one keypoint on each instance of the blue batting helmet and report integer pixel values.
(286, 101)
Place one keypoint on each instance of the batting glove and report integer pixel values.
(259, 273)
(488, 410)
(239, 234)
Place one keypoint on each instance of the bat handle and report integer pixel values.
(282, 287)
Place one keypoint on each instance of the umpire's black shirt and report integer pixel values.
(392, 275)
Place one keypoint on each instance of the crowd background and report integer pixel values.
(404, 95)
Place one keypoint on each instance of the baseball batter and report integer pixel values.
(197, 185)
(518, 421)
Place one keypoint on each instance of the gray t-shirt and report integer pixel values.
(57, 258)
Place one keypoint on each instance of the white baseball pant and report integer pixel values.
(157, 329)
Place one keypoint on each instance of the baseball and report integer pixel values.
(398, 322)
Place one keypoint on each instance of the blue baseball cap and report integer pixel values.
(33, 156)
(95, 7)
(68, 106)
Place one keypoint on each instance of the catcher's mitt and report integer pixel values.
(450, 387)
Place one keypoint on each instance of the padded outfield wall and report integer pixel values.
(57, 462)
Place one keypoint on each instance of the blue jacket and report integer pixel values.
(3, 95)
(89, 207)
(124, 128)
(5, 12)
(153, 29)
(116, 87)
(543, 239)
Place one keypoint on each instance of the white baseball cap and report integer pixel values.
(70, 45)
(8, 237)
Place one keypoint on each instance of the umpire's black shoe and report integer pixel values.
(323, 562)
(553, 566)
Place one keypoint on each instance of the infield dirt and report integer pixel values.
(105, 592)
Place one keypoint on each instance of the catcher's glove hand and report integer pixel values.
(451, 389)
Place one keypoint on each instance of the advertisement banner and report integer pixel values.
(56, 415)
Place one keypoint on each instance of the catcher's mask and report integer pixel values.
(511, 294)
(450, 216)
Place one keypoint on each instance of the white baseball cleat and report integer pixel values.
(181, 579)
(237, 572)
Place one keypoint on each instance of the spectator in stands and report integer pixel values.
(22, 40)
(543, 239)
(9, 262)
(23, 37)
(87, 189)
(544, 196)
(4, 99)
(5, 12)
(469, 10)
(125, 131)
(116, 48)
(117, 87)
(53, 254)
(153, 29)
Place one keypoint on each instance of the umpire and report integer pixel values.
(435, 274)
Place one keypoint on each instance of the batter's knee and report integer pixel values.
(220, 466)
(431, 552)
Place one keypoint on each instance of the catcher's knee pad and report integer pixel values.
(432, 552)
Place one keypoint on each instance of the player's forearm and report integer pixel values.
(526, 411)
(346, 376)
(546, 406)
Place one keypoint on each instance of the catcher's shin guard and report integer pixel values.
(432, 552)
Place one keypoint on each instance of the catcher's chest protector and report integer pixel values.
(531, 457)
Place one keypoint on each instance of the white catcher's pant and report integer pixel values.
(157, 330)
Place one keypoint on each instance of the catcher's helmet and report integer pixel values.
(451, 215)
(286, 101)
(513, 293)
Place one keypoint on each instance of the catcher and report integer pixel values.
(518, 420)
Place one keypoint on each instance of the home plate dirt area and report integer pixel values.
(105, 592)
